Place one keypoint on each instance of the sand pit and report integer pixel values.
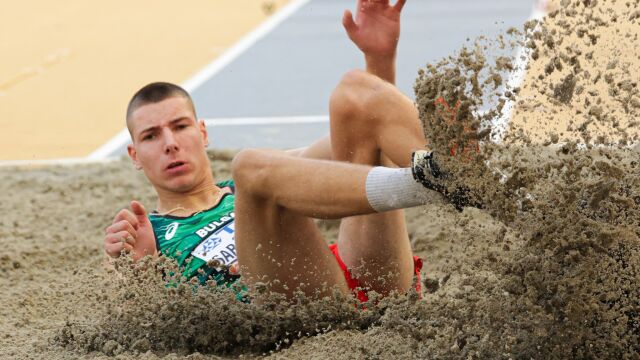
(548, 269)
(583, 84)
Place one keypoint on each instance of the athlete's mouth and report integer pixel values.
(175, 164)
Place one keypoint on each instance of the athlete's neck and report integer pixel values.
(201, 197)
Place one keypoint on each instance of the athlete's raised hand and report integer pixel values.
(130, 231)
(376, 27)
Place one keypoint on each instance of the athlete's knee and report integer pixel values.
(356, 85)
(348, 102)
(361, 78)
(358, 93)
(249, 170)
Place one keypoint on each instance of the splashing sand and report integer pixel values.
(549, 269)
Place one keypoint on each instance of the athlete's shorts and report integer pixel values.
(354, 284)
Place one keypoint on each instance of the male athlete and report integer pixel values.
(362, 173)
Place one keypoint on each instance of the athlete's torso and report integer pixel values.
(202, 244)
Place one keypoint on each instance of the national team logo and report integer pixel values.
(171, 231)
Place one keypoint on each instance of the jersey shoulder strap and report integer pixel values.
(227, 183)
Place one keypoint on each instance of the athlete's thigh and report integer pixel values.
(319, 150)
(375, 246)
(377, 249)
(283, 249)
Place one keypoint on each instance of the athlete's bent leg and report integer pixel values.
(369, 116)
(277, 241)
(372, 123)
(278, 192)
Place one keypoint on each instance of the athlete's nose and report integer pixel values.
(170, 143)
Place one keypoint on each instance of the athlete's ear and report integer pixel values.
(203, 129)
(134, 156)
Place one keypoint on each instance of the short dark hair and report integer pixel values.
(155, 93)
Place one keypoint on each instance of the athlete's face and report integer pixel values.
(169, 144)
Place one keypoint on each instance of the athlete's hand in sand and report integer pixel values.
(130, 231)
(376, 27)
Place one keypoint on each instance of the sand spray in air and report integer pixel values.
(575, 206)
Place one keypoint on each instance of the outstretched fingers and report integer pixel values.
(399, 5)
(373, 4)
(348, 22)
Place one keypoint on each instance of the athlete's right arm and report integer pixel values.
(130, 231)
(375, 29)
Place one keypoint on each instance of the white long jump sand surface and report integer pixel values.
(277, 90)
(69, 67)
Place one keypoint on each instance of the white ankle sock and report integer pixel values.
(391, 188)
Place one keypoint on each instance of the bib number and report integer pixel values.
(220, 246)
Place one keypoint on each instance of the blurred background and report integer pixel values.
(260, 71)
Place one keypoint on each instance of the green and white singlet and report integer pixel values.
(199, 239)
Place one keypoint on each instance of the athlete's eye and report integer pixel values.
(148, 137)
